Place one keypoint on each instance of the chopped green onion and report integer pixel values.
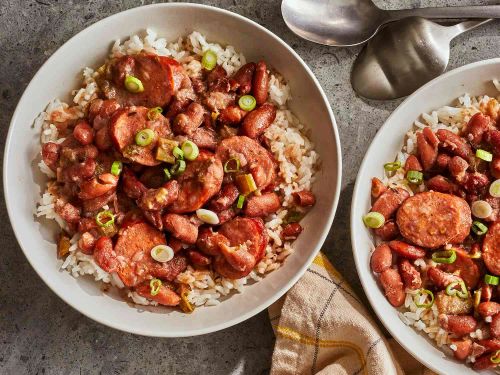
(168, 175)
(446, 256)
(415, 177)
(232, 165)
(144, 137)
(133, 85)
(246, 183)
(178, 168)
(154, 112)
(241, 200)
(484, 155)
(116, 168)
(293, 217)
(209, 60)
(462, 292)
(105, 218)
(178, 153)
(495, 358)
(207, 216)
(475, 255)
(477, 298)
(479, 228)
(247, 102)
(214, 115)
(155, 285)
(190, 150)
(425, 305)
(481, 209)
(391, 167)
(495, 189)
(492, 280)
(162, 253)
(374, 220)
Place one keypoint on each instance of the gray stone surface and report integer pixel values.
(40, 334)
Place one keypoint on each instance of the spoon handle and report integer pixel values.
(480, 11)
(462, 27)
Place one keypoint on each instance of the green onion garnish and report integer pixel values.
(479, 228)
(484, 155)
(492, 280)
(209, 60)
(495, 358)
(425, 305)
(241, 200)
(374, 220)
(178, 168)
(154, 112)
(168, 175)
(232, 165)
(415, 177)
(477, 298)
(178, 153)
(391, 167)
(462, 292)
(144, 137)
(116, 168)
(155, 285)
(190, 150)
(133, 85)
(495, 189)
(105, 218)
(293, 217)
(247, 102)
(446, 256)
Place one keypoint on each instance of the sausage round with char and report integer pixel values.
(491, 249)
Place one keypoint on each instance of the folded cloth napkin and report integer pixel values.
(322, 328)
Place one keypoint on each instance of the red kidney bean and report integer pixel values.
(464, 348)
(86, 224)
(486, 292)
(476, 183)
(442, 162)
(50, 154)
(495, 326)
(304, 198)
(262, 205)
(232, 115)
(413, 164)
(488, 309)
(131, 185)
(77, 172)
(459, 325)
(198, 259)
(476, 128)
(67, 211)
(260, 83)
(406, 250)
(454, 144)
(243, 78)
(388, 203)
(427, 148)
(86, 243)
(104, 255)
(483, 363)
(442, 185)
(410, 275)
(388, 232)
(489, 345)
(393, 287)
(103, 139)
(493, 138)
(98, 186)
(378, 188)
(83, 132)
(258, 120)
(190, 120)
(458, 168)
(291, 231)
(224, 198)
(495, 167)
(381, 258)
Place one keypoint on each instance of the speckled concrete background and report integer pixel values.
(39, 333)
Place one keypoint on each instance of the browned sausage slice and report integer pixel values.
(491, 249)
(181, 228)
(126, 123)
(165, 296)
(200, 181)
(464, 267)
(253, 158)
(161, 77)
(433, 219)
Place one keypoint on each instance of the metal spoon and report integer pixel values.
(403, 56)
(344, 23)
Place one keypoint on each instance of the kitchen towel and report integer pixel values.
(322, 328)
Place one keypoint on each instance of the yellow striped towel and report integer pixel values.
(322, 328)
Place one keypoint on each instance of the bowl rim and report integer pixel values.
(114, 323)
(417, 353)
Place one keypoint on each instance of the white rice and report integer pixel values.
(453, 118)
(292, 149)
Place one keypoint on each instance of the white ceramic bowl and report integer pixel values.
(61, 73)
(474, 79)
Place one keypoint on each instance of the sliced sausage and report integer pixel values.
(454, 144)
(208, 241)
(104, 255)
(50, 154)
(488, 309)
(427, 148)
(433, 219)
(258, 120)
(388, 203)
(381, 258)
(459, 325)
(253, 158)
(495, 167)
(126, 123)
(131, 185)
(165, 296)
(95, 204)
(491, 249)
(158, 199)
(440, 278)
(181, 228)
(200, 181)
(224, 198)
(406, 250)
(260, 83)
(204, 138)
(378, 188)
(495, 326)
(98, 186)
(413, 164)
(463, 348)
(393, 286)
(465, 267)
(262, 205)
(410, 275)
(453, 305)
(226, 215)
